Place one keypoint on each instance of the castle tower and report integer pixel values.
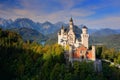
(62, 30)
(93, 53)
(71, 24)
(85, 37)
(70, 53)
(71, 34)
(60, 35)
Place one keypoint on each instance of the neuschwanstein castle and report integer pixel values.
(78, 48)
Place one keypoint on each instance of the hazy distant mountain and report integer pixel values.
(29, 34)
(47, 27)
(44, 28)
(4, 23)
(30, 30)
(91, 31)
(60, 24)
(112, 40)
(108, 37)
(105, 32)
(24, 22)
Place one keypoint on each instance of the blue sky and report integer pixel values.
(92, 13)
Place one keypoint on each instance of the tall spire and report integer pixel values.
(71, 20)
(71, 23)
(62, 27)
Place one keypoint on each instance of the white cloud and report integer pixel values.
(35, 10)
(79, 16)
(65, 15)
(67, 4)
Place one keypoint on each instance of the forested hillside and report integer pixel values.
(21, 60)
(29, 34)
(111, 41)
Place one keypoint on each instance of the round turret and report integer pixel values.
(62, 30)
(84, 30)
(85, 27)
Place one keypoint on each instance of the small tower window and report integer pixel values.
(81, 52)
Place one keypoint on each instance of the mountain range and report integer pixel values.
(47, 27)
(104, 32)
(31, 30)
(44, 28)
(29, 34)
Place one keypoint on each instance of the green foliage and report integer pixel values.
(111, 41)
(83, 69)
(98, 51)
(109, 71)
(30, 61)
(107, 53)
(51, 41)
(56, 72)
(117, 59)
(29, 34)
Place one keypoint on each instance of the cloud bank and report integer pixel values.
(94, 14)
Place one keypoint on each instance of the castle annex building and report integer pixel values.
(78, 43)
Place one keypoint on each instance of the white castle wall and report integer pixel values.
(64, 38)
(85, 37)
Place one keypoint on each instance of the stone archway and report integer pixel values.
(82, 57)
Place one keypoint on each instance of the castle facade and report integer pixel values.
(78, 43)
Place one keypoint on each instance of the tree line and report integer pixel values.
(21, 60)
(110, 54)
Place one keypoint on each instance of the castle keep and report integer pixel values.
(78, 43)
